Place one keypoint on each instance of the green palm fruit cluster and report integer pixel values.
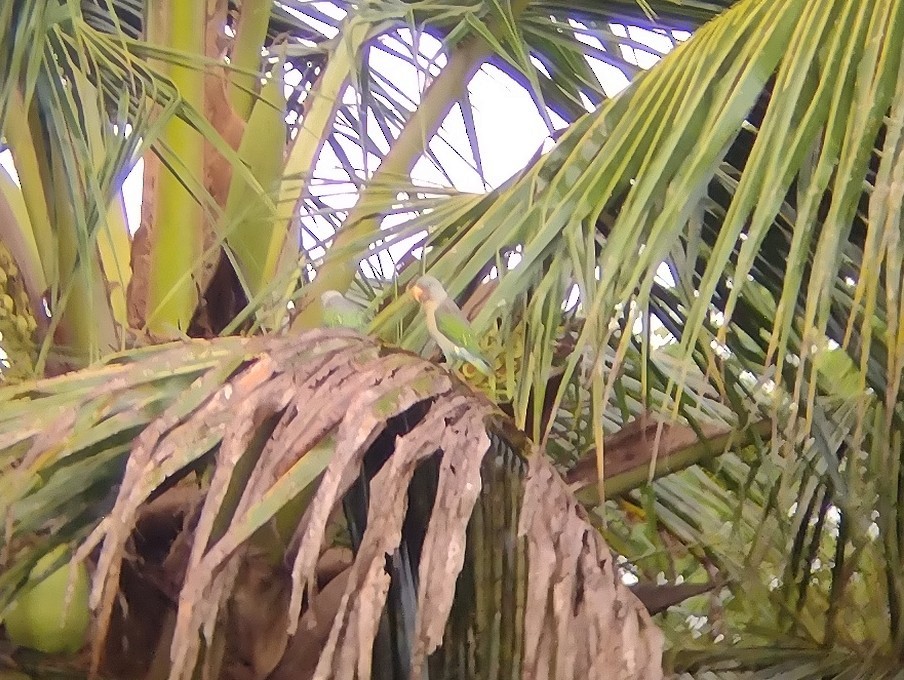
(17, 323)
(505, 364)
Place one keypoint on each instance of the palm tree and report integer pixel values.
(691, 303)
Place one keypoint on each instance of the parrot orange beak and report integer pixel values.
(416, 292)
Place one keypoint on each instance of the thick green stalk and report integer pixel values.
(249, 223)
(85, 323)
(690, 450)
(318, 119)
(81, 324)
(251, 31)
(93, 258)
(53, 205)
(113, 246)
(18, 236)
(25, 157)
(176, 235)
(109, 242)
(363, 220)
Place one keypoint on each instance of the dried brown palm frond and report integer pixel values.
(471, 556)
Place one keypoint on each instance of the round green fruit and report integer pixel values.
(43, 617)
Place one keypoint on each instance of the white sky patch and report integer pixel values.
(539, 65)
(132, 188)
(720, 349)
(611, 77)
(585, 102)
(400, 246)
(645, 38)
(327, 8)
(6, 160)
(664, 276)
(509, 131)
(411, 79)
(330, 9)
(573, 296)
(659, 336)
(291, 79)
(509, 127)
(455, 153)
(659, 41)
(628, 578)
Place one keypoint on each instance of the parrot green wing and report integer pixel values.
(332, 318)
(344, 314)
(453, 325)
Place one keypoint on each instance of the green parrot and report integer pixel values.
(447, 325)
(340, 312)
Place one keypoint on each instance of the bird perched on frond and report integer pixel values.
(340, 312)
(447, 325)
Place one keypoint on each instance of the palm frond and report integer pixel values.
(237, 410)
(773, 250)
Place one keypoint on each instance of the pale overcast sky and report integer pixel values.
(509, 128)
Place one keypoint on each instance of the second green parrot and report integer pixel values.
(447, 325)
(340, 312)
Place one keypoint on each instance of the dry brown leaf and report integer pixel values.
(356, 622)
(300, 660)
(256, 635)
(581, 621)
(354, 435)
(464, 444)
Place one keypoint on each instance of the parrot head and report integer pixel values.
(428, 289)
(340, 312)
(330, 297)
